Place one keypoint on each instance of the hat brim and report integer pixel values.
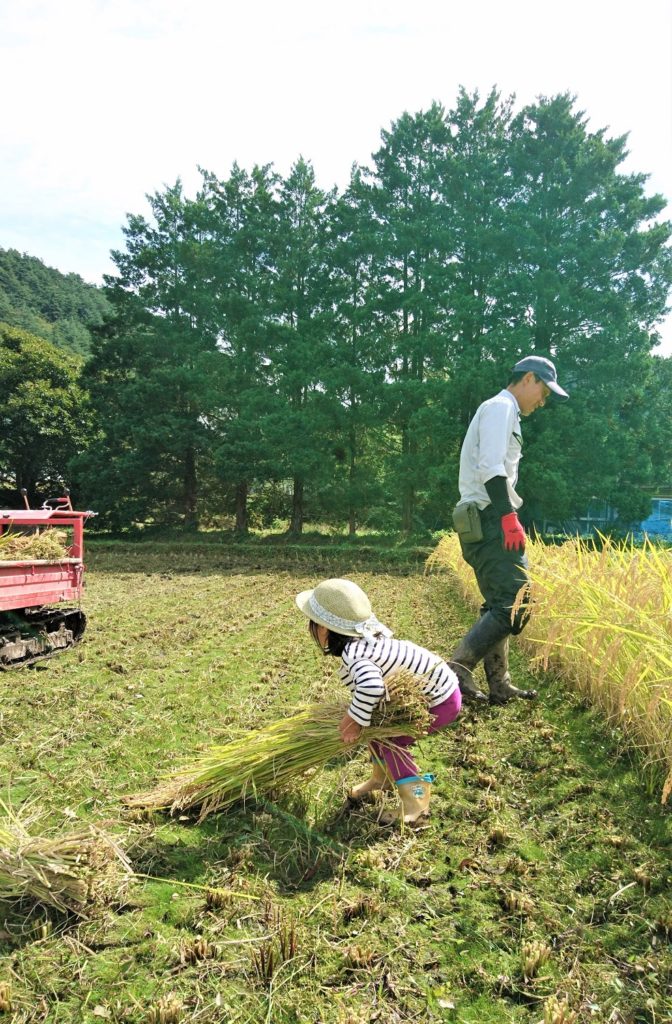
(303, 604)
(558, 393)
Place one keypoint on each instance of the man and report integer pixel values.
(491, 535)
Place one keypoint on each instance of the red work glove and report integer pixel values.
(514, 534)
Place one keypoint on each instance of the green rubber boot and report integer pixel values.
(483, 636)
(496, 666)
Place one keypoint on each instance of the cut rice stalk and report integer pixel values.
(269, 758)
(48, 545)
(66, 871)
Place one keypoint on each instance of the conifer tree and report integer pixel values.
(242, 227)
(301, 439)
(354, 370)
(415, 237)
(154, 371)
(592, 273)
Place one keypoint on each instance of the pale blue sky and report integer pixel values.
(107, 100)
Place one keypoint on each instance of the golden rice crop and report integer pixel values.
(266, 759)
(603, 619)
(64, 870)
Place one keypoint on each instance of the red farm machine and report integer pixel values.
(39, 596)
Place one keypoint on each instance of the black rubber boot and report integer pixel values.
(481, 638)
(496, 666)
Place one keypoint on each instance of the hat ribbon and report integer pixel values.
(367, 628)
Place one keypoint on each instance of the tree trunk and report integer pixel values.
(296, 524)
(352, 522)
(241, 508)
(189, 491)
(27, 480)
(408, 490)
(408, 509)
(352, 511)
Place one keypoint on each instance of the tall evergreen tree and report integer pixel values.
(593, 271)
(476, 186)
(268, 331)
(154, 371)
(415, 236)
(354, 368)
(300, 348)
(474, 183)
(242, 223)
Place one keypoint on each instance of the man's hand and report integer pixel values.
(349, 729)
(514, 534)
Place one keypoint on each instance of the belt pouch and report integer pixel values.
(467, 522)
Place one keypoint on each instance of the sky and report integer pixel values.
(105, 101)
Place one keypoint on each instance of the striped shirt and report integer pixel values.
(366, 664)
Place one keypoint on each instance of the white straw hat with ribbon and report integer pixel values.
(343, 607)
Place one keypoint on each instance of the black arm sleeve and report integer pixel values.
(498, 493)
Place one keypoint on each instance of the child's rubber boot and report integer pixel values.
(414, 794)
(379, 780)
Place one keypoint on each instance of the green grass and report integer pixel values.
(539, 830)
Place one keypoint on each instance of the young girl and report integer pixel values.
(343, 625)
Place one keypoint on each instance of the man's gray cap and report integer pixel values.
(545, 370)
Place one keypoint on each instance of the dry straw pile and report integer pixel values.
(603, 620)
(67, 871)
(254, 763)
(47, 545)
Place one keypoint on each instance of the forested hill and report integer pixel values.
(58, 307)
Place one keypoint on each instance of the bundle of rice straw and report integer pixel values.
(66, 871)
(49, 545)
(267, 759)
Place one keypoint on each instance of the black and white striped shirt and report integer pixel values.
(366, 664)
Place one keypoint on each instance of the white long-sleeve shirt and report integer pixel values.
(492, 446)
(366, 664)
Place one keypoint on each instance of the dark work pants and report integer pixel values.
(500, 574)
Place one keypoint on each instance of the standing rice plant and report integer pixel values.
(266, 759)
(603, 620)
(62, 870)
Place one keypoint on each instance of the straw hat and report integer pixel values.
(343, 607)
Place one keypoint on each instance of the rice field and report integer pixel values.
(538, 892)
(603, 620)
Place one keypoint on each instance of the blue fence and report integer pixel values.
(659, 523)
(600, 517)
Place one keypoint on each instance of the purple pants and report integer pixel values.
(400, 763)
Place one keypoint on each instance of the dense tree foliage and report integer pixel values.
(61, 308)
(242, 216)
(155, 375)
(320, 355)
(44, 413)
